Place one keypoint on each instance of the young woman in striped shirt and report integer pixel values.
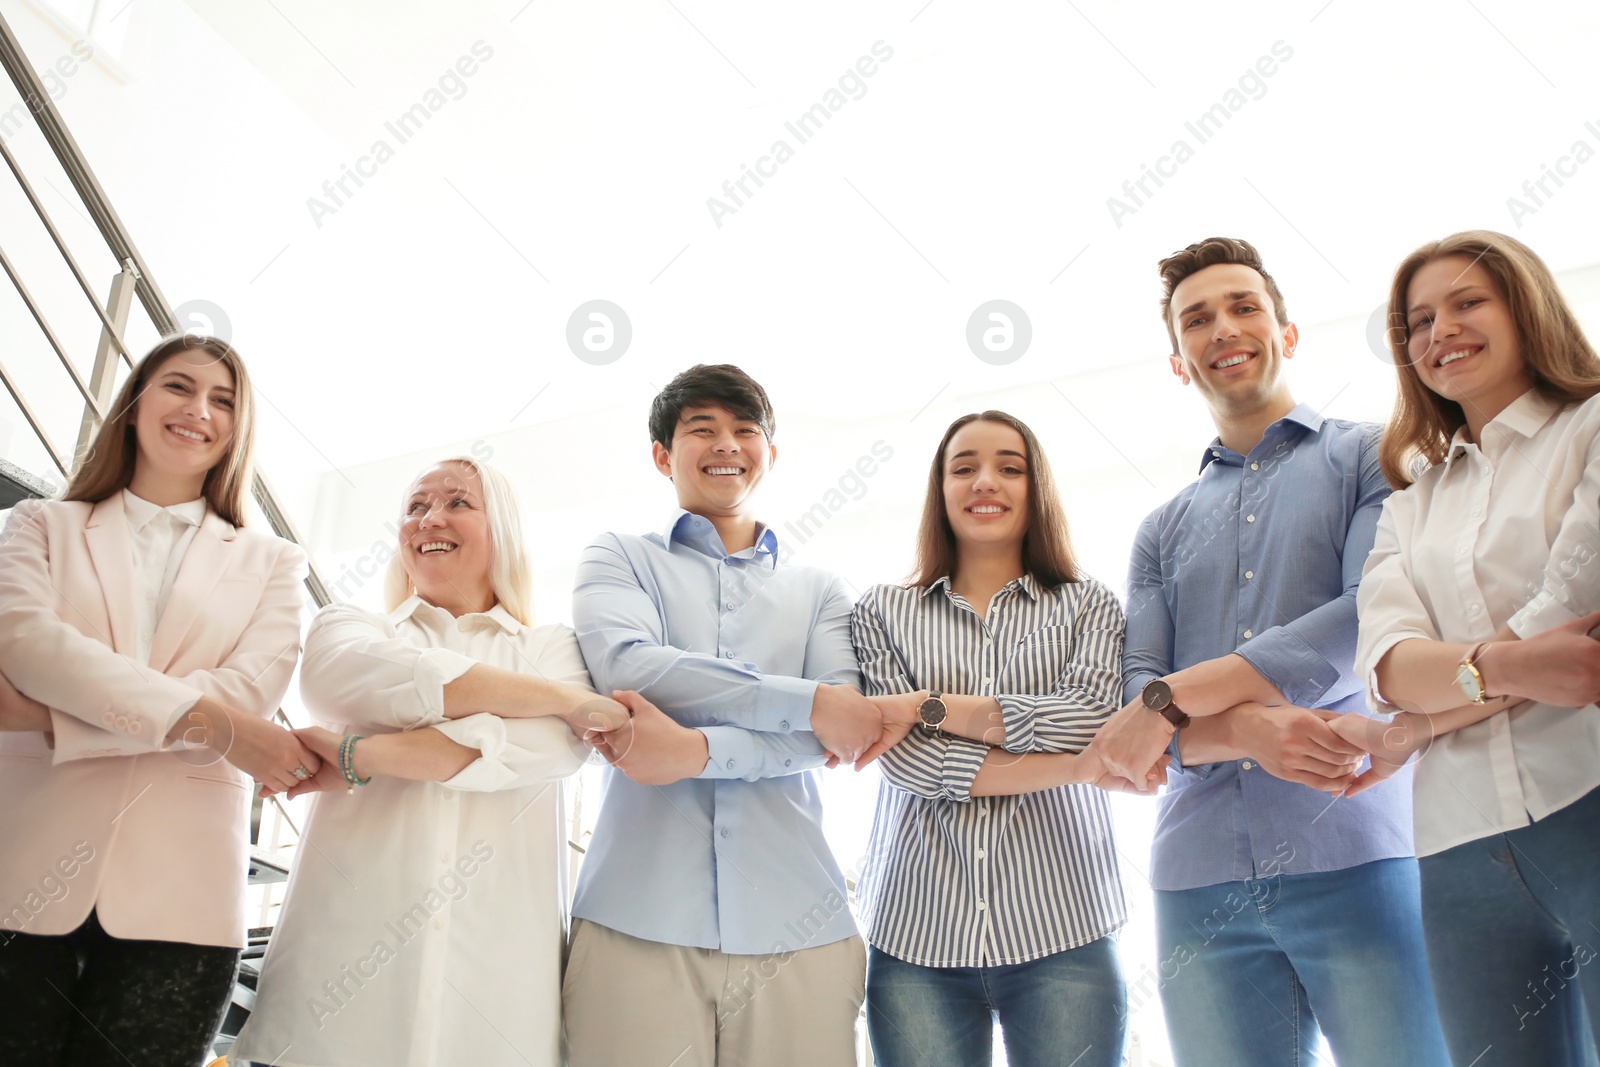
(992, 885)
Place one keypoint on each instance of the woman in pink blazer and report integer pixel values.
(145, 639)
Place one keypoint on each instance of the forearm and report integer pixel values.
(1212, 686)
(495, 691)
(19, 713)
(416, 755)
(1419, 675)
(1209, 740)
(1009, 774)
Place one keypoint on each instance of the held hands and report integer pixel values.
(325, 744)
(1560, 666)
(1089, 769)
(847, 723)
(1132, 742)
(650, 747)
(591, 711)
(1390, 744)
(899, 713)
(258, 747)
(1303, 745)
(23, 714)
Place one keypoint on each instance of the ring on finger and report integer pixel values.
(301, 773)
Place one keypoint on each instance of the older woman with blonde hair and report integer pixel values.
(146, 638)
(1476, 608)
(424, 920)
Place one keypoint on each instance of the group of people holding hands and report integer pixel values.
(1327, 600)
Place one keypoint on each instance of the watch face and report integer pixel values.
(1468, 681)
(1157, 695)
(933, 711)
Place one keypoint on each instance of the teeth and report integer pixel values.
(1233, 361)
(1452, 357)
(190, 434)
(986, 509)
(436, 546)
(722, 470)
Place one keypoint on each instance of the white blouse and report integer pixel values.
(160, 538)
(425, 921)
(1505, 533)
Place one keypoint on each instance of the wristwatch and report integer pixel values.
(932, 711)
(1157, 696)
(1470, 679)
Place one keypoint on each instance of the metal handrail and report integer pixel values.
(120, 242)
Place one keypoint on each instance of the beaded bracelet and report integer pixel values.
(347, 763)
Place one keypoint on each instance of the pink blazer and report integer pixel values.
(156, 840)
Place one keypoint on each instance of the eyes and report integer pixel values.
(1010, 469)
(1423, 319)
(707, 431)
(180, 387)
(422, 505)
(1200, 319)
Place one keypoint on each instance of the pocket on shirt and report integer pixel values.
(1046, 636)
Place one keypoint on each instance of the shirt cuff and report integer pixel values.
(436, 668)
(1198, 771)
(733, 753)
(1540, 614)
(487, 734)
(1302, 679)
(783, 704)
(1375, 701)
(962, 761)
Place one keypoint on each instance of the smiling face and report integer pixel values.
(445, 544)
(986, 486)
(716, 461)
(1461, 340)
(183, 420)
(1230, 342)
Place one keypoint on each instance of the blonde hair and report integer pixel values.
(510, 577)
(1560, 361)
(106, 468)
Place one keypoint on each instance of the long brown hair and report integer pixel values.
(1560, 361)
(1046, 544)
(107, 467)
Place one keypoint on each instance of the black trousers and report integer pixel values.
(87, 999)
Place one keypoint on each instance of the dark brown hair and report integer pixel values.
(107, 467)
(1560, 360)
(1046, 545)
(1208, 253)
(722, 384)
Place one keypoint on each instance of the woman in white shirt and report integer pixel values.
(424, 919)
(1476, 606)
(145, 640)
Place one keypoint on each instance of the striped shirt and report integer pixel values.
(953, 880)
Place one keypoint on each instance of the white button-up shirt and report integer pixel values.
(160, 538)
(1505, 532)
(424, 921)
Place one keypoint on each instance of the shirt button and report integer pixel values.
(784, 725)
(1215, 454)
(728, 654)
(723, 831)
(1247, 765)
(1249, 574)
(788, 763)
(444, 857)
(981, 853)
(438, 924)
(730, 767)
(729, 605)
(1249, 518)
(1248, 634)
(982, 905)
(986, 681)
(1255, 466)
(1472, 609)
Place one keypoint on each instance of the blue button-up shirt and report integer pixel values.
(1262, 556)
(733, 645)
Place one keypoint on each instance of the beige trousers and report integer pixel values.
(633, 1003)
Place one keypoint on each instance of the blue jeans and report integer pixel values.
(1066, 1008)
(1252, 972)
(1513, 929)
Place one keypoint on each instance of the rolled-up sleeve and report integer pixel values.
(1085, 695)
(1390, 609)
(1569, 587)
(359, 671)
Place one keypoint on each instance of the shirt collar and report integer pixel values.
(1303, 415)
(142, 512)
(696, 532)
(415, 605)
(1524, 416)
(1027, 583)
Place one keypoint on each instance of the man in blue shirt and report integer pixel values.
(1282, 909)
(711, 924)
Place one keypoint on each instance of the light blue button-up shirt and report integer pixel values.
(734, 646)
(1262, 555)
